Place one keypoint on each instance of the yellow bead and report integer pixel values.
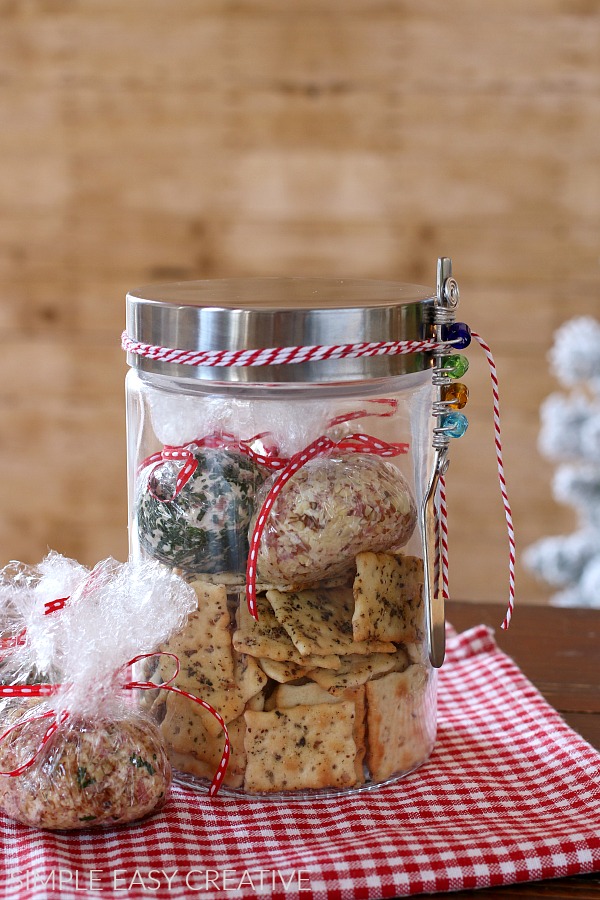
(456, 395)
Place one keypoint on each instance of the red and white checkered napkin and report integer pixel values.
(510, 794)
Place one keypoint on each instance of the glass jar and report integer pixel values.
(293, 496)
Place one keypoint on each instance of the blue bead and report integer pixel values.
(457, 332)
(454, 424)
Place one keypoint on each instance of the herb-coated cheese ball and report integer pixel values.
(205, 527)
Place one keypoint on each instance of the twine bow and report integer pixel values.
(217, 440)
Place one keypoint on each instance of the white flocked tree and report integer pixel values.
(570, 436)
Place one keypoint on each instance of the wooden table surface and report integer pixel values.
(559, 651)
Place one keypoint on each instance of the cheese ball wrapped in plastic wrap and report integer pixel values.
(75, 749)
(333, 508)
(92, 771)
(204, 526)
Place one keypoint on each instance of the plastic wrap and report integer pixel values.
(178, 418)
(75, 749)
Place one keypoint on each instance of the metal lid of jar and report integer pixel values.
(234, 314)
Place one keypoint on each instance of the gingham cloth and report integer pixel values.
(510, 794)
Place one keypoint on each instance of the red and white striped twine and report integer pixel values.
(443, 536)
(502, 480)
(295, 355)
(273, 356)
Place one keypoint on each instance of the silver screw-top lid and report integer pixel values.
(253, 313)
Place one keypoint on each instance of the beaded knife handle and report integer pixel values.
(448, 397)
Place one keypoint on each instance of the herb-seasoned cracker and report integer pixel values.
(206, 638)
(282, 671)
(262, 637)
(388, 598)
(399, 722)
(355, 669)
(257, 702)
(320, 622)
(228, 697)
(204, 757)
(358, 695)
(300, 748)
(286, 696)
(267, 638)
(185, 723)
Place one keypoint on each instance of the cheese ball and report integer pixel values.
(330, 510)
(89, 773)
(205, 527)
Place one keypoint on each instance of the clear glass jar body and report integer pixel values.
(330, 688)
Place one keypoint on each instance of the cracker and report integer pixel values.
(418, 653)
(204, 644)
(267, 638)
(264, 637)
(400, 722)
(286, 696)
(388, 598)
(355, 669)
(228, 698)
(301, 748)
(343, 580)
(282, 671)
(358, 694)
(230, 579)
(257, 702)
(320, 622)
(236, 582)
(203, 760)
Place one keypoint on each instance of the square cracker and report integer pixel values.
(400, 722)
(355, 669)
(229, 698)
(303, 747)
(203, 758)
(286, 696)
(236, 582)
(388, 598)
(204, 644)
(282, 671)
(267, 638)
(320, 622)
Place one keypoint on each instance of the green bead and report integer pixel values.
(456, 365)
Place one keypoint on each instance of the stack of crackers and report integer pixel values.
(329, 689)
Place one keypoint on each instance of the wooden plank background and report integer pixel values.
(179, 139)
